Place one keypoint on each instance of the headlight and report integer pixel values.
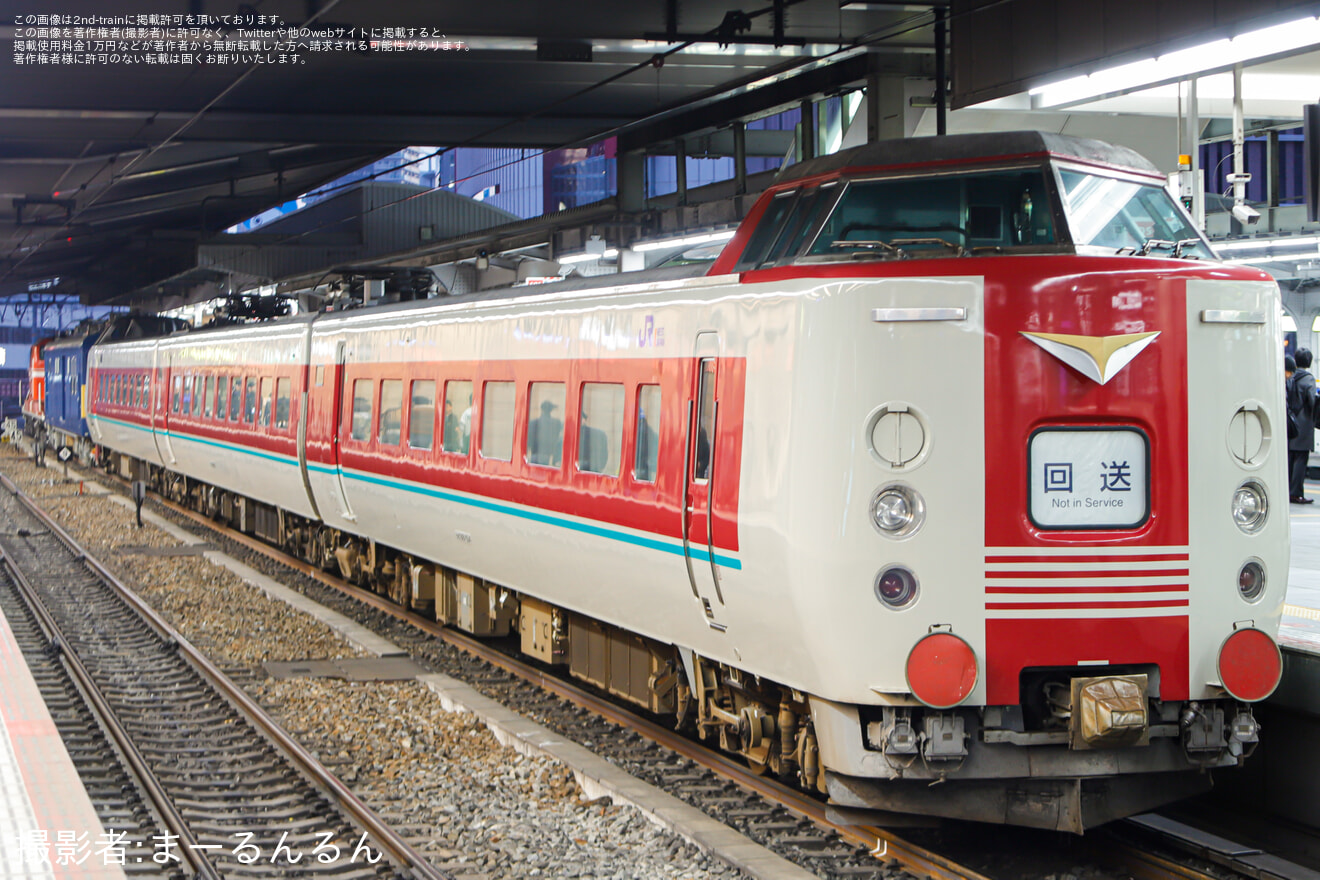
(1250, 507)
(1251, 580)
(897, 511)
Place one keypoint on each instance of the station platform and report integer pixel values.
(1300, 629)
(49, 829)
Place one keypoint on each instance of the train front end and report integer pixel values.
(1072, 481)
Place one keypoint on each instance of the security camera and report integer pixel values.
(1246, 215)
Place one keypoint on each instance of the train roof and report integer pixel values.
(961, 148)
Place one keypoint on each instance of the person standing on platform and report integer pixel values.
(1301, 405)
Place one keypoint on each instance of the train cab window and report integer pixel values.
(235, 398)
(199, 392)
(600, 431)
(267, 400)
(647, 446)
(545, 429)
(210, 397)
(497, 410)
(981, 211)
(767, 231)
(705, 421)
(1113, 214)
(390, 427)
(178, 393)
(360, 427)
(283, 401)
(456, 433)
(250, 400)
(421, 414)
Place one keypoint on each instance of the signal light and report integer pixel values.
(1250, 664)
(941, 670)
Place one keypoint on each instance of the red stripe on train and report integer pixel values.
(1014, 645)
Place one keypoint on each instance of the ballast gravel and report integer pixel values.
(476, 808)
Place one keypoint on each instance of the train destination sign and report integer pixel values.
(1089, 478)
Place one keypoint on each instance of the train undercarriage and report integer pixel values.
(1021, 765)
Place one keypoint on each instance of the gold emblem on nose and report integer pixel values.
(1099, 358)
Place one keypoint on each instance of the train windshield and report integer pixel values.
(1113, 215)
(973, 212)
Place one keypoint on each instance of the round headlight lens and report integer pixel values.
(896, 587)
(1250, 507)
(1251, 580)
(897, 511)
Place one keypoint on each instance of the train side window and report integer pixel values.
(647, 447)
(360, 428)
(267, 400)
(178, 392)
(199, 389)
(391, 412)
(421, 414)
(497, 409)
(705, 421)
(210, 396)
(545, 430)
(221, 396)
(456, 434)
(132, 391)
(235, 398)
(250, 400)
(320, 376)
(600, 432)
(187, 395)
(146, 392)
(283, 401)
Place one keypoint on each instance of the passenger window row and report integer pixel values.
(124, 390)
(601, 417)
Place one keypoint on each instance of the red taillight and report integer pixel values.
(941, 670)
(1250, 665)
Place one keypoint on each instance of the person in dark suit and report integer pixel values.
(545, 437)
(1301, 405)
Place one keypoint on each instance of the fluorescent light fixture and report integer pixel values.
(1315, 324)
(1254, 244)
(1218, 55)
(685, 241)
(1289, 324)
(609, 254)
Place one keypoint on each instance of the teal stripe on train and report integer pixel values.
(697, 552)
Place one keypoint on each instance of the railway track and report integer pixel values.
(209, 786)
(789, 822)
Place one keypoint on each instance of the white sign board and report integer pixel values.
(1089, 479)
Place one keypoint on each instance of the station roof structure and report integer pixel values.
(114, 172)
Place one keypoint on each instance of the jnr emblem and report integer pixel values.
(1099, 358)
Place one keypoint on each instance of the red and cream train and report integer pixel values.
(961, 463)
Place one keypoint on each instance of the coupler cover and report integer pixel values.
(1109, 711)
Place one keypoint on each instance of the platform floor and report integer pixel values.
(1301, 613)
(48, 827)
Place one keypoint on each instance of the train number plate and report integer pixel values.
(1089, 478)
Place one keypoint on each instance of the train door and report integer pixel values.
(161, 411)
(699, 479)
(341, 429)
